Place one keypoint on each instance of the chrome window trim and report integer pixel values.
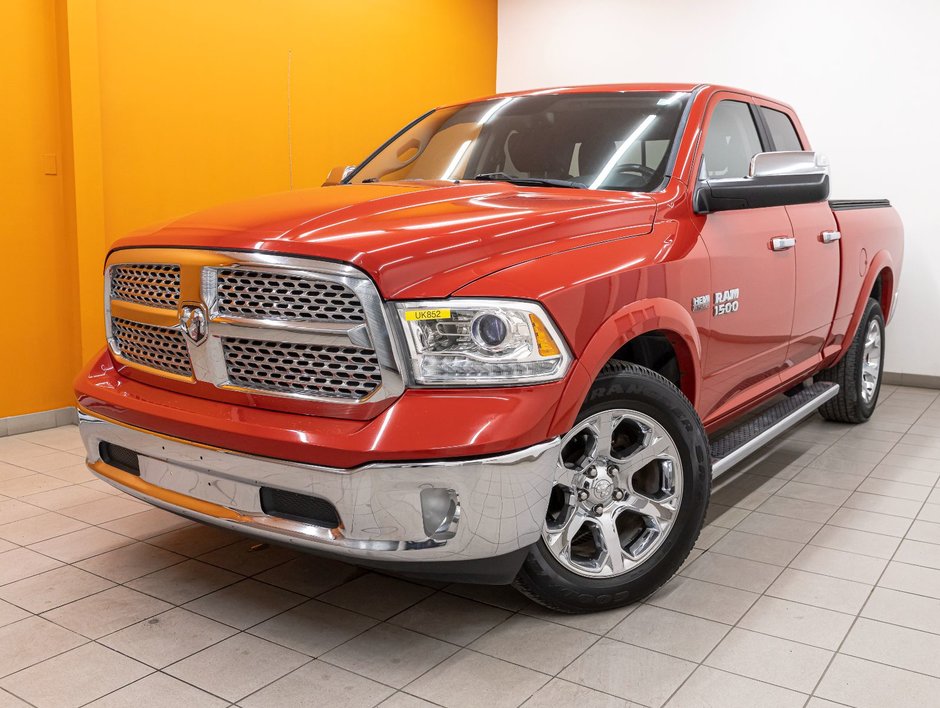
(208, 362)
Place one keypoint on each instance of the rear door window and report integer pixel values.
(732, 140)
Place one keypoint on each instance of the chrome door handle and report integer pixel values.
(830, 236)
(782, 243)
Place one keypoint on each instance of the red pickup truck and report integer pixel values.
(515, 344)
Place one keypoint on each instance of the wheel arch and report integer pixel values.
(879, 282)
(656, 325)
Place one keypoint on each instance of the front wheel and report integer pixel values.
(631, 490)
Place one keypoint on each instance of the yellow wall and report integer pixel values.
(170, 106)
(38, 337)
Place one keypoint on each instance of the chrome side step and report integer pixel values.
(736, 444)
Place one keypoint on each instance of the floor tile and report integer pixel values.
(797, 509)
(905, 609)
(32, 640)
(310, 575)
(924, 531)
(468, 679)
(168, 637)
(919, 553)
(534, 643)
(390, 655)
(670, 632)
(147, 524)
(21, 563)
(30, 484)
(909, 476)
(708, 687)
(105, 612)
(39, 528)
(8, 700)
(103, 510)
(375, 595)
(158, 691)
(820, 591)
(450, 618)
(758, 548)
(599, 622)
(889, 644)
(629, 672)
(884, 524)
(11, 613)
(886, 488)
(192, 540)
(59, 586)
(16, 510)
(867, 684)
(929, 512)
(237, 666)
(798, 622)
(831, 478)
(313, 628)
(184, 582)
(911, 578)
(778, 527)
(771, 659)
(244, 604)
(502, 596)
(248, 557)
(75, 677)
(814, 493)
(64, 497)
(735, 572)
(701, 599)
(861, 542)
(335, 687)
(77, 545)
(839, 564)
(129, 562)
(558, 692)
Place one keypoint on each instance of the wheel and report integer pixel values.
(631, 491)
(858, 373)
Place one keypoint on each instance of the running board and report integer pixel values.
(736, 444)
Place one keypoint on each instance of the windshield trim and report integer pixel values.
(670, 163)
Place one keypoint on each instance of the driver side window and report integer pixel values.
(732, 140)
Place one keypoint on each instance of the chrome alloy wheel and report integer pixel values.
(618, 486)
(871, 361)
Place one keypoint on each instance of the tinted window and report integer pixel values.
(781, 130)
(602, 141)
(731, 142)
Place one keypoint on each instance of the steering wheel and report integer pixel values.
(635, 168)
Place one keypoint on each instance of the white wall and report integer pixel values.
(861, 75)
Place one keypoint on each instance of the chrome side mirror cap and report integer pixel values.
(338, 174)
(793, 162)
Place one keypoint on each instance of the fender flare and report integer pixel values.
(631, 321)
(882, 261)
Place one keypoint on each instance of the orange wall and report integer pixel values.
(38, 338)
(170, 106)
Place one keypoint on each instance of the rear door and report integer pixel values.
(817, 253)
(752, 284)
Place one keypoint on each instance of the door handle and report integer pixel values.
(782, 243)
(830, 236)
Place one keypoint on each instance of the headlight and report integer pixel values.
(482, 342)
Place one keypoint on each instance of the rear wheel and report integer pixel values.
(631, 491)
(858, 373)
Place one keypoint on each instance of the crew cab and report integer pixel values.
(514, 344)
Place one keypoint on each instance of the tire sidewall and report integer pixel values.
(872, 312)
(657, 398)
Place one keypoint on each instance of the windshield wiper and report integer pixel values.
(534, 181)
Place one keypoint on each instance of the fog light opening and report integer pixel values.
(440, 512)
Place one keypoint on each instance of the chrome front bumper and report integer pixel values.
(498, 503)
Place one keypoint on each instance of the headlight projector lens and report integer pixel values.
(489, 330)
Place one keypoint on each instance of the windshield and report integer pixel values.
(616, 141)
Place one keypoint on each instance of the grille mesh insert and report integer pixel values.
(160, 348)
(156, 285)
(307, 369)
(256, 294)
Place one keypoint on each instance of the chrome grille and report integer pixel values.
(162, 348)
(302, 369)
(153, 284)
(258, 294)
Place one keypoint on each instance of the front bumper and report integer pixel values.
(499, 502)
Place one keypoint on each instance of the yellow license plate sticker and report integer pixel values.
(420, 315)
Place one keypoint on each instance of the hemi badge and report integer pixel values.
(418, 315)
(701, 302)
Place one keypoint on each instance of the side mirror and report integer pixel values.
(774, 179)
(338, 174)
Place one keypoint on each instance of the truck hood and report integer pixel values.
(416, 240)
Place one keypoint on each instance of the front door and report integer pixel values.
(752, 268)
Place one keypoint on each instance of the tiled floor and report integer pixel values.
(815, 583)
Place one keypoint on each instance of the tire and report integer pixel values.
(858, 394)
(657, 460)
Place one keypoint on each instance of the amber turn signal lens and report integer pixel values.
(546, 344)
